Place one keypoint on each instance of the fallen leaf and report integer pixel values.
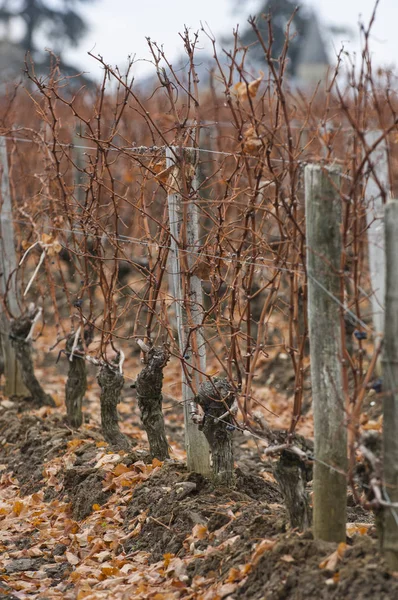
(166, 559)
(200, 532)
(17, 507)
(357, 528)
(120, 469)
(287, 558)
(330, 563)
(262, 547)
(72, 558)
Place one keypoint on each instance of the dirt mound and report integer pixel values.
(174, 501)
(127, 517)
(290, 571)
(29, 440)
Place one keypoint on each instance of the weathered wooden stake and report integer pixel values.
(389, 537)
(198, 451)
(324, 247)
(14, 385)
(375, 223)
(76, 383)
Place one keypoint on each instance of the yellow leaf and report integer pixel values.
(108, 570)
(96, 507)
(120, 469)
(156, 462)
(199, 532)
(128, 482)
(17, 507)
(75, 443)
(166, 559)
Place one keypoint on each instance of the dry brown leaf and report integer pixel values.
(166, 559)
(244, 90)
(373, 425)
(237, 574)
(17, 507)
(109, 570)
(164, 175)
(105, 461)
(46, 239)
(226, 589)
(241, 90)
(55, 248)
(330, 563)
(200, 532)
(75, 443)
(254, 85)
(263, 546)
(120, 469)
(287, 558)
(72, 558)
(251, 141)
(357, 528)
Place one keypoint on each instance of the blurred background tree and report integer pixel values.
(58, 23)
(280, 12)
(308, 38)
(30, 26)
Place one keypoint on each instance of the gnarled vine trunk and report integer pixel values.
(111, 382)
(149, 395)
(292, 474)
(217, 397)
(19, 332)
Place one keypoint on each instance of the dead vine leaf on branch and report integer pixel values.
(170, 177)
(252, 142)
(245, 91)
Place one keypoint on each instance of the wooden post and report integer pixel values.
(78, 176)
(389, 527)
(8, 264)
(198, 451)
(324, 247)
(375, 223)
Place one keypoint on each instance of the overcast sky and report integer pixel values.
(118, 28)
